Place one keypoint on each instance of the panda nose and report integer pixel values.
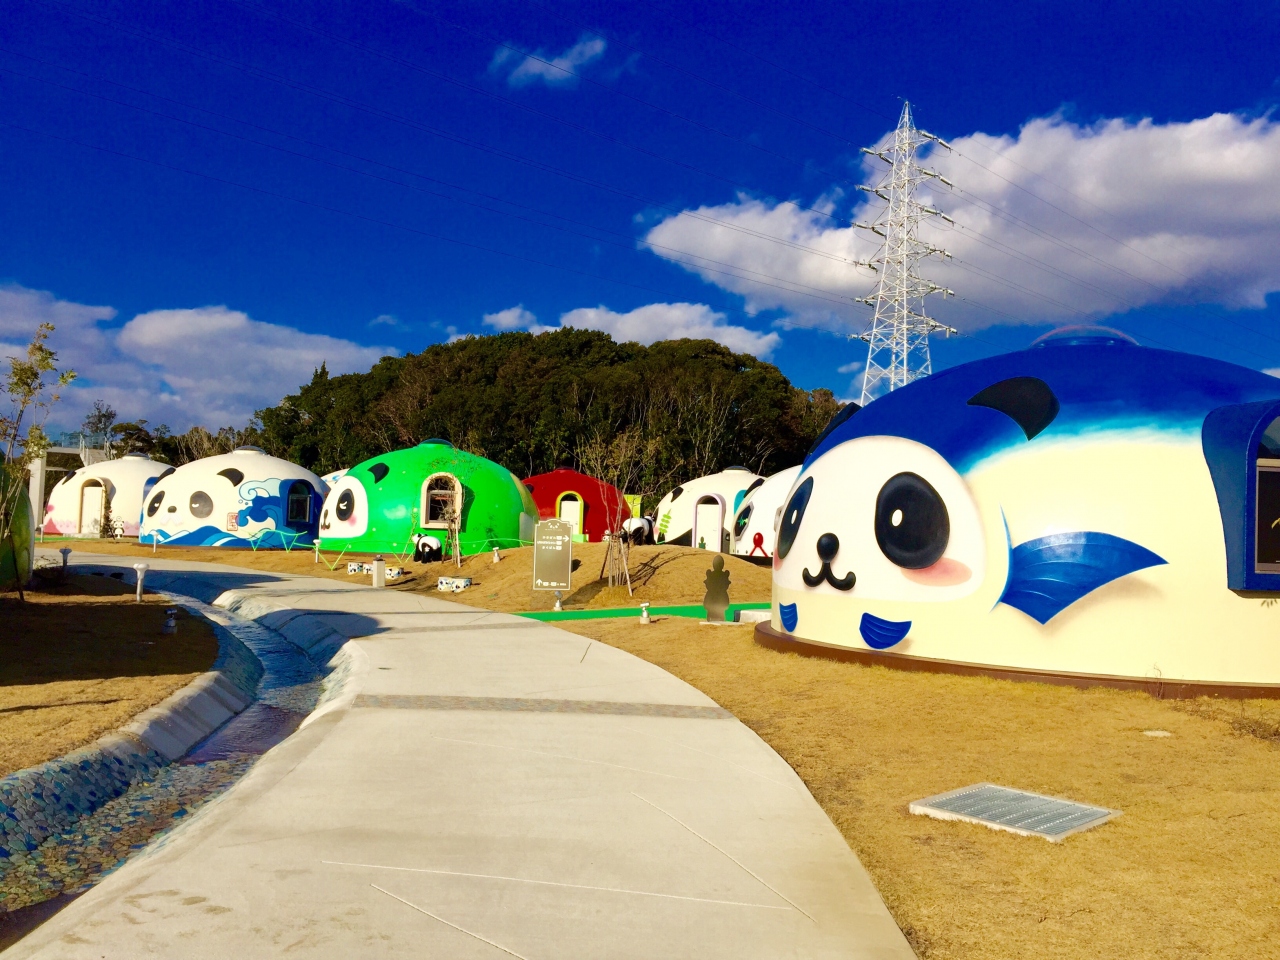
(828, 547)
(173, 509)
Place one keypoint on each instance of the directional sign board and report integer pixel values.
(552, 555)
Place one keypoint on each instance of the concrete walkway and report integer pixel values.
(487, 786)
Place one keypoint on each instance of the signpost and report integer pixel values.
(552, 556)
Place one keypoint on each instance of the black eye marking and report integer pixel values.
(792, 514)
(912, 525)
(154, 505)
(201, 504)
(346, 505)
(379, 470)
(1028, 401)
(232, 474)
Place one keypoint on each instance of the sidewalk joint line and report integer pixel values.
(725, 853)
(554, 883)
(561, 756)
(448, 924)
(585, 652)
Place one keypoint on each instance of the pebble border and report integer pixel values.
(50, 797)
(66, 823)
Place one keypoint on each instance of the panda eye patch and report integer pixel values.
(346, 505)
(792, 514)
(912, 524)
(201, 504)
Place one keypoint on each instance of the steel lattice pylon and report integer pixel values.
(898, 339)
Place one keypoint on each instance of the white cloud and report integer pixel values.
(553, 70)
(647, 324)
(386, 320)
(1192, 215)
(516, 318)
(209, 365)
(852, 367)
(672, 321)
(513, 318)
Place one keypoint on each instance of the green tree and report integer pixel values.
(535, 402)
(33, 385)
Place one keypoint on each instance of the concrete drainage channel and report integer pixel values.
(67, 823)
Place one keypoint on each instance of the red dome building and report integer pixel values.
(591, 506)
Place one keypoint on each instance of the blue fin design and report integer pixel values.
(787, 613)
(1049, 574)
(882, 634)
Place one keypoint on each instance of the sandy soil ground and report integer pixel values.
(81, 658)
(660, 574)
(1191, 868)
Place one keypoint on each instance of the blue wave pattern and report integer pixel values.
(787, 613)
(881, 634)
(263, 506)
(1049, 574)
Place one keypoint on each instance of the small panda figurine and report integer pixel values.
(427, 549)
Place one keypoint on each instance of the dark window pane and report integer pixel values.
(1268, 516)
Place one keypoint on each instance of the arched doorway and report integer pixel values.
(572, 510)
(708, 523)
(93, 499)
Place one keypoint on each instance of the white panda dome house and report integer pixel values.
(80, 503)
(245, 498)
(1087, 511)
(699, 513)
(755, 527)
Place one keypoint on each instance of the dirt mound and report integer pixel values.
(662, 575)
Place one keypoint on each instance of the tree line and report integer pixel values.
(651, 416)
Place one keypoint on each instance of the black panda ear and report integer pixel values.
(1028, 401)
(379, 470)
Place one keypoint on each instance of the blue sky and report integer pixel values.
(208, 197)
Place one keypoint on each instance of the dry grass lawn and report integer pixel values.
(660, 574)
(1191, 869)
(81, 658)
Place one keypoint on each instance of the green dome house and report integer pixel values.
(379, 505)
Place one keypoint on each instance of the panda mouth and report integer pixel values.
(828, 546)
(826, 575)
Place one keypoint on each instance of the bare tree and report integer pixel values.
(623, 458)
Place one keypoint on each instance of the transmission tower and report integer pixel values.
(898, 339)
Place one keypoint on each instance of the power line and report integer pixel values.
(830, 296)
(456, 138)
(969, 159)
(412, 65)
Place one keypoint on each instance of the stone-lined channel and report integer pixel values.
(35, 883)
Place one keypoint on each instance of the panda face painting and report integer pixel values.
(346, 510)
(882, 518)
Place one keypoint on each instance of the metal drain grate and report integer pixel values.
(1001, 808)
